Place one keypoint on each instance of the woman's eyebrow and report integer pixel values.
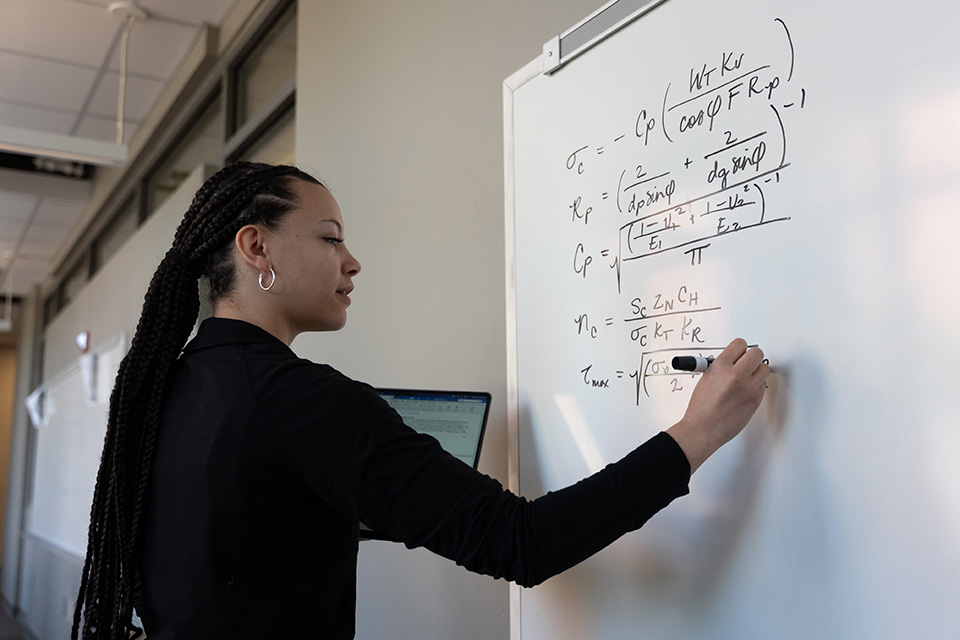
(336, 222)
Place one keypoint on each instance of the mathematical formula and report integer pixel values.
(699, 163)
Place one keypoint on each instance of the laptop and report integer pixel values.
(457, 419)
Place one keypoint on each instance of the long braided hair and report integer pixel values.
(240, 194)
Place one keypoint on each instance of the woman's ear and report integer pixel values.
(250, 241)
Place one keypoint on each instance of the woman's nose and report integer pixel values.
(351, 265)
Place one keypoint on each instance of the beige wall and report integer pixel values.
(8, 377)
(399, 111)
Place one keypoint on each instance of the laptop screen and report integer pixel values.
(457, 419)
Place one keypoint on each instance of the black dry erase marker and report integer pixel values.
(696, 364)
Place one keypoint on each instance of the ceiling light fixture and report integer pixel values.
(61, 147)
(86, 150)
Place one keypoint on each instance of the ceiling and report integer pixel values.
(60, 74)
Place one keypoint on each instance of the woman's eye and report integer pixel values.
(334, 241)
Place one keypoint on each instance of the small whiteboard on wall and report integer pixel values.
(688, 172)
(68, 448)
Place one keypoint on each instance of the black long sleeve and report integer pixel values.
(266, 462)
(495, 533)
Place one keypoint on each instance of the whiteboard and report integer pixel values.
(68, 448)
(788, 173)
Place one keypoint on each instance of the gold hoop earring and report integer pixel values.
(273, 280)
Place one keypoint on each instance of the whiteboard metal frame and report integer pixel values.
(510, 85)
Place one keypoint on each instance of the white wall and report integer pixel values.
(399, 111)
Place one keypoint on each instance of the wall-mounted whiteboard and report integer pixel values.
(788, 172)
(68, 448)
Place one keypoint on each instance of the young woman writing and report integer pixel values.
(234, 473)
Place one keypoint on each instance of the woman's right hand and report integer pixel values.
(724, 400)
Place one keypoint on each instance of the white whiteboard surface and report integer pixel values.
(68, 454)
(813, 210)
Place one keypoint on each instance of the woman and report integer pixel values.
(234, 474)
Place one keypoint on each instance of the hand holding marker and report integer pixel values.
(722, 402)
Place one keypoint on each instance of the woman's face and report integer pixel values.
(314, 269)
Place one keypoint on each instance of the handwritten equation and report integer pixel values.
(701, 164)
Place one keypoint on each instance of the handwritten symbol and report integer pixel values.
(696, 254)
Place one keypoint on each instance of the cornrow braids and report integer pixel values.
(237, 195)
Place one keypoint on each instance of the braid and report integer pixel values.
(239, 194)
